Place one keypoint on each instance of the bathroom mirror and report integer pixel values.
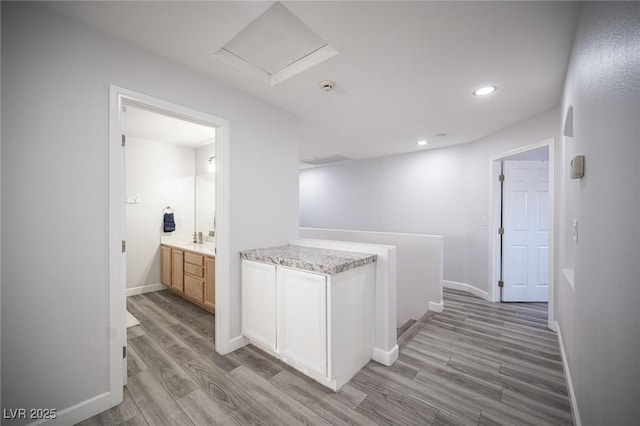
(205, 196)
(205, 203)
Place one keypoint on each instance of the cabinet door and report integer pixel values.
(193, 288)
(210, 283)
(177, 270)
(259, 302)
(302, 318)
(165, 261)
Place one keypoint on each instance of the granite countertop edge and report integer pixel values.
(325, 261)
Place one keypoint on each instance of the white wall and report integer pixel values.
(439, 192)
(161, 175)
(599, 319)
(419, 265)
(55, 94)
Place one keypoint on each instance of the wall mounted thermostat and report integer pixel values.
(577, 167)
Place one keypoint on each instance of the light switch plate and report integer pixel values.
(575, 230)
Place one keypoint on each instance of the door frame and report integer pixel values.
(119, 97)
(494, 222)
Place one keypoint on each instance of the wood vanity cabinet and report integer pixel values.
(210, 283)
(190, 274)
(165, 261)
(177, 279)
(194, 277)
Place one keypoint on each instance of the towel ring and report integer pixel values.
(167, 209)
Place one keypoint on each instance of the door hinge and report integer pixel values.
(500, 283)
(124, 140)
(501, 231)
(501, 178)
(124, 246)
(124, 352)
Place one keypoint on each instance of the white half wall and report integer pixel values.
(419, 266)
(56, 77)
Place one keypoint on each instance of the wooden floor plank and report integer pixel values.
(135, 364)
(185, 312)
(203, 410)
(540, 409)
(157, 406)
(169, 374)
(380, 381)
(557, 399)
(479, 401)
(231, 397)
(265, 365)
(285, 407)
(135, 421)
(204, 346)
(349, 396)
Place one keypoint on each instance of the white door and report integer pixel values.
(302, 319)
(526, 231)
(259, 302)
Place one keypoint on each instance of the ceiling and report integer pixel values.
(143, 124)
(404, 71)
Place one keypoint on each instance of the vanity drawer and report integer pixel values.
(194, 288)
(194, 259)
(197, 271)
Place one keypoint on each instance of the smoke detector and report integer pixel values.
(327, 85)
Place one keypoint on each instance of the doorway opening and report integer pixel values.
(119, 199)
(522, 246)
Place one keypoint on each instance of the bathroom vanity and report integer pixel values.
(310, 307)
(189, 270)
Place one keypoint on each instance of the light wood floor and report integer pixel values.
(476, 363)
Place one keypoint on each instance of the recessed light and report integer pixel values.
(483, 91)
(422, 142)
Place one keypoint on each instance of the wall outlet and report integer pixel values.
(575, 231)
(484, 221)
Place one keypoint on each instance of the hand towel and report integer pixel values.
(169, 224)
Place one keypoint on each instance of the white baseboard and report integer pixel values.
(436, 307)
(567, 375)
(385, 357)
(237, 343)
(145, 289)
(79, 412)
(466, 287)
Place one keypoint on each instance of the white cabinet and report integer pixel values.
(320, 324)
(259, 303)
(302, 318)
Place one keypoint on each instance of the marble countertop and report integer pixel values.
(326, 261)
(207, 248)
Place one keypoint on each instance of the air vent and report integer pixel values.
(319, 161)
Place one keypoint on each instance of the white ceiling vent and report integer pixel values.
(335, 158)
(275, 46)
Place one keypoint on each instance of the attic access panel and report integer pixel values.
(275, 46)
